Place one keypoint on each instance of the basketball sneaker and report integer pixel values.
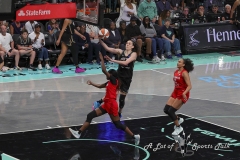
(56, 70)
(96, 105)
(75, 133)
(177, 131)
(79, 70)
(181, 120)
(137, 139)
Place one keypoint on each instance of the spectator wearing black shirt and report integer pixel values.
(200, 16)
(24, 45)
(169, 40)
(163, 5)
(114, 39)
(175, 4)
(214, 15)
(226, 14)
(185, 16)
(16, 27)
(133, 32)
(191, 4)
(122, 31)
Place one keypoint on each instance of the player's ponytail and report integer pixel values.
(189, 65)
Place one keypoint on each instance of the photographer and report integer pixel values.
(38, 41)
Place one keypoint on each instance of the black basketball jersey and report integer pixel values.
(70, 28)
(125, 71)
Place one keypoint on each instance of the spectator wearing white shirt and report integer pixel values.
(38, 41)
(29, 26)
(127, 10)
(7, 46)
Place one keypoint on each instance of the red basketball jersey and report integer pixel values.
(179, 80)
(111, 90)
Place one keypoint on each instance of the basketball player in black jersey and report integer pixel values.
(67, 42)
(125, 69)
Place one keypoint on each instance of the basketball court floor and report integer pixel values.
(37, 108)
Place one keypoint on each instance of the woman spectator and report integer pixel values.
(122, 31)
(53, 26)
(114, 39)
(163, 16)
(16, 27)
(149, 31)
(127, 10)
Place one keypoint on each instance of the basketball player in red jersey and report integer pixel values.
(180, 93)
(110, 104)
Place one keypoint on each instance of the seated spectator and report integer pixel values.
(53, 26)
(191, 4)
(122, 31)
(24, 45)
(200, 16)
(127, 10)
(175, 4)
(16, 27)
(38, 42)
(133, 32)
(86, 44)
(163, 5)
(7, 46)
(226, 14)
(93, 33)
(114, 39)
(208, 4)
(163, 16)
(185, 16)
(148, 8)
(170, 40)
(149, 31)
(91, 4)
(29, 26)
(1, 61)
(214, 10)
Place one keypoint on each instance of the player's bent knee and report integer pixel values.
(90, 116)
(166, 108)
(171, 113)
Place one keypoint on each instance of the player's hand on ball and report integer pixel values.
(89, 82)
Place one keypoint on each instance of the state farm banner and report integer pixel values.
(46, 11)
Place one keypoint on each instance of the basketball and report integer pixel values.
(104, 33)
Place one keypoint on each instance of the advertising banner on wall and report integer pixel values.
(211, 36)
(46, 11)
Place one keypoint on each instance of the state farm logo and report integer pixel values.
(34, 12)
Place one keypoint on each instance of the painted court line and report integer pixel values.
(210, 122)
(160, 72)
(78, 125)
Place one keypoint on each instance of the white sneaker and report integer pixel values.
(40, 66)
(75, 133)
(47, 66)
(158, 59)
(163, 58)
(177, 131)
(137, 139)
(181, 120)
(155, 60)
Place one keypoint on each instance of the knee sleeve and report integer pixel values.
(171, 113)
(119, 125)
(122, 101)
(166, 108)
(90, 116)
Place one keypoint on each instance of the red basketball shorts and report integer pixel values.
(177, 94)
(111, 107)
